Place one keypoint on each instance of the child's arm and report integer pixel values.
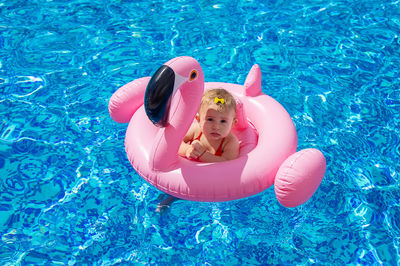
(231, 151)
(186, 139)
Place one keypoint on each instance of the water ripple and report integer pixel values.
(69, 194)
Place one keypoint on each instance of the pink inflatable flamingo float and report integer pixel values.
(160, 110)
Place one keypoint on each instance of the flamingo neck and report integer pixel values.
(183, 109)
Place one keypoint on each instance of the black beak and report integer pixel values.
(157, 98)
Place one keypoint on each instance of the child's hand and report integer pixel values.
(195, 150)
(190, 153)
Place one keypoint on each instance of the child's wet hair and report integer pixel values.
(220, 98)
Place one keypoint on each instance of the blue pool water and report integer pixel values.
(68, 194)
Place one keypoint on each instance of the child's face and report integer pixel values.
(216, 124)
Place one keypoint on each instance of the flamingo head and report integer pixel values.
(179, 74)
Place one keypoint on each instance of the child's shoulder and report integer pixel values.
(190, 134)
(232, 139)
(193, 130)
(195, 127)
(231, 149)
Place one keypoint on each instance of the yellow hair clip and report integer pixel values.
(219, 100)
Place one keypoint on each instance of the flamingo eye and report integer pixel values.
(193, 75)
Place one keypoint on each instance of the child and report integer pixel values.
(209, 139)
